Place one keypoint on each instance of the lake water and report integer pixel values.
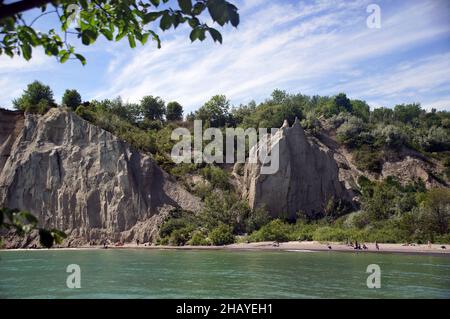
(220, 274)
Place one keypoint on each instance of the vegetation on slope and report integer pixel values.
(390, 211)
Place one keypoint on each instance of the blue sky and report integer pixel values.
(311, 47)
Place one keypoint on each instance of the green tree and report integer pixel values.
(114, 20)
(215, 111)
(343, 103)
(36, 98)
(153, 108)
(436, 210)
(174, 111)
(222, 235)
(72, 99)
(406, 113)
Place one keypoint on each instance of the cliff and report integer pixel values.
(307, 178)
(83, 180)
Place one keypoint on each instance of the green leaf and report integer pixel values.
(166, 22)
(107, 33)
(145, 38)
(26, 51)
(197, 33)
(65, 56)
(88, 36)
(45, 238)
(215, 35)
(194, 22)
(185, 6)
(155, 2)
(29, 217)
(152, 16)
(233, 15)
(80, 58)
(58, 236)
(131, 41)
(198, 8)
(218, 10)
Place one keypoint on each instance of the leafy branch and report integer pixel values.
(135, 20)
(22, 222)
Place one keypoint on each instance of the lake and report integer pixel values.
(148, 273)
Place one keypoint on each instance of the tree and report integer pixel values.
(174, 111)
(112, 19)
(406, 113)
(215, 111)
(36, 98)
(72, 99)
(342, 102)
(222, 235)
(153, 108)
(436, 210)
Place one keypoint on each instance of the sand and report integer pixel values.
(435, 249)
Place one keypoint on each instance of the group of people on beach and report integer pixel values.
(357, 246)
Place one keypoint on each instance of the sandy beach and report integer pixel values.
(435, 249)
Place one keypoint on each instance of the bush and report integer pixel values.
(198, 239)
(390, 136)
(351, 133)
(180, 237)
(222, 235)
(72, 99)
(276, 230)
(224, 208)
(369, 160)
(174, 111)
(303, 231)
(36, 98)
(216, 176)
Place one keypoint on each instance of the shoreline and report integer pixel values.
(292, 246)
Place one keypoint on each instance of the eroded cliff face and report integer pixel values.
(307, 179)
(83, 180)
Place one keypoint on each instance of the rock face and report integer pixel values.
(83, 180)
(307, 179)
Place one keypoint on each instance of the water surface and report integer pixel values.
(220, 274)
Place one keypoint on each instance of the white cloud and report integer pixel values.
(320, 47)
(302, 47)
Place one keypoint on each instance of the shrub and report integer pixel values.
(222, 235)
(216, 176)
(72, 99)
(369, 160)
(174, 111)
(351, 133)
(303, 231)
(153, 108)
(36, 98)
(390, 136)
(180, 237)
(256, 219)
(198, 239)
(276, 230)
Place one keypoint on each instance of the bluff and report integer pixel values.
(83, 180)
(307, 179)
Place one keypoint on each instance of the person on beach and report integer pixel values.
(376, 246)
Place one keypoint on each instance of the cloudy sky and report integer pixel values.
(311, 47)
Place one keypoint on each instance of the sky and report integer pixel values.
(319, 47)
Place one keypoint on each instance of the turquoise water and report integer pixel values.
(220, 274)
